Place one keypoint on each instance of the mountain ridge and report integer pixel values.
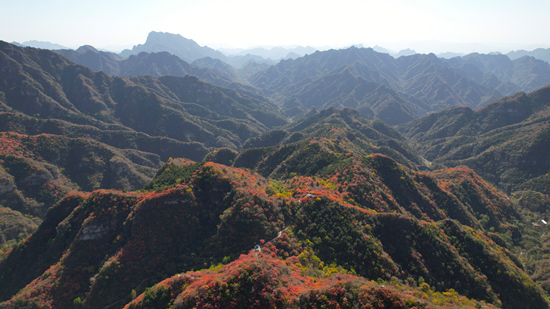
(256, 213)
(331, 209)
(105, 131)
(184, 48)
(425, 81)
(511, 129)
(421, 83)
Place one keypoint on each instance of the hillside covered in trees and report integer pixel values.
(282, 189)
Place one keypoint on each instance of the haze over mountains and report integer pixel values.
(40, 44)
(377, 85)
(189, 50)
(145, 180)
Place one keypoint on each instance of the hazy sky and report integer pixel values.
(463, 25)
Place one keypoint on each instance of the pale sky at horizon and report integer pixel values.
(426, 25)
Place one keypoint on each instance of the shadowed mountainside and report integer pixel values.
(65, 127)
(395, 90)
(217, 212)
(506, 141)
(328, 210)
(341, 210)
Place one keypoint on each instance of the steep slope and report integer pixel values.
(433, 82)
(14, 227)
(346, 89)
(331, 134)
(505, 141)
(42, 84)
(330, 202)
(188, 50)
(303, 70)
(38, 170)
(137, 243)
(395, 90)
(282, 284)
(163, 63)
(111, 132)
(122, 138)
(369, 215)
(217, 65)
(213, 71)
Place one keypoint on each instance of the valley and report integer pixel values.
(146, 179)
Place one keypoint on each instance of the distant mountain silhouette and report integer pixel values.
(539, 53)
(211, 70)
(241, 61)
(274, 53)
(189, 51)
(175, 44)
(63, 91)
(348, 89)
(96, 60)
(449, 55)
(41, 44)
(380, 49)
(404, 52)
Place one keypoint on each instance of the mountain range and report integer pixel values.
(273, 53)
(40, 44)
(154, 64)
(341, 178)
(539, 53)
(507, 76)
(342, 213)
(376, 84)
(186, 49)
(67, 127)
(189, 50)
(407, 86)
(505, 141)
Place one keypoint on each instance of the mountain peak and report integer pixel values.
(86, 48)
(166, 37)
(187, 49)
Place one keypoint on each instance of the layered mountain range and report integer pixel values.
(184, 48)
(506, 141)
(67, 127)
(329, 211)
(539, 53)
(201, 184)
(376, 84)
